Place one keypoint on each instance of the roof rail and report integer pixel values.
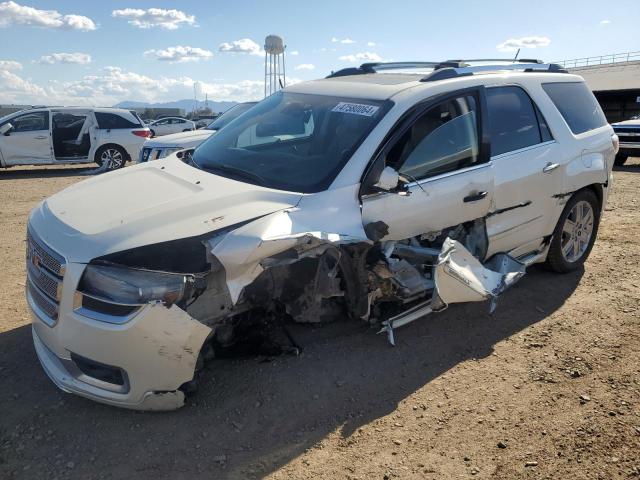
(472, 70)
(454, 68)
(505, 60)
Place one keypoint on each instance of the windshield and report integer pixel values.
(291, 141)
(231, 114)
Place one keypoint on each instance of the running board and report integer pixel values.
(408, 316)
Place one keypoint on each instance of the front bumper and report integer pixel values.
(156, 350)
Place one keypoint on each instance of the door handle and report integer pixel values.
(550, 167)
(41, 137)
(474, 197)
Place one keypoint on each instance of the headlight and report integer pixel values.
(165, 152)
(129, 286)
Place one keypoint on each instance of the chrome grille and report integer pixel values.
(51, 261)
(49, 308)
(45, 270)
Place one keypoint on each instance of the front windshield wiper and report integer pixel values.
(252, 177)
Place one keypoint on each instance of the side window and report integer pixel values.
(545, 133)
(30, 122)
(113, 121)
(512, 118)
(443, 139)
(577, 105)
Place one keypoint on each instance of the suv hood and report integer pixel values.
(181, 139)
(146, 204)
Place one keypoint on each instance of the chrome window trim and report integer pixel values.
(523, 149)
(449, 174)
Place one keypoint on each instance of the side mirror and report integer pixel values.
(6, 129)
(389, 179)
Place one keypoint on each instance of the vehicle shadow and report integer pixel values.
(252, 416)
(631, 165)
(47, 172)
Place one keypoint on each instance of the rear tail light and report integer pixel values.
(146, 133)
(616, 143)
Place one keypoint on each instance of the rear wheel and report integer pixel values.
(575, 232)
(620, 159)
(114, 156)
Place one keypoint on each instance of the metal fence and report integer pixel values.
(601, 60)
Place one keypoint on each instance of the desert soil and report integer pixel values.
(546, 387)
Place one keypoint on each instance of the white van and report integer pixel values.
(63, 135)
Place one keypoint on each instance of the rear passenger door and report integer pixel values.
(440, 150)
(526, 172)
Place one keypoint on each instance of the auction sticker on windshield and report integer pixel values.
(356, 108)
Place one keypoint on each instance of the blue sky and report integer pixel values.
(99, 53)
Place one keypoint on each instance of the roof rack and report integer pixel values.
(453, 68)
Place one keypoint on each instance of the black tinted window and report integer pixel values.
(545, 133)
(512, 118)
(30, 122)
(441, 140)
(112, 121)
(577, 105)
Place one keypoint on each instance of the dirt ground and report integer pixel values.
(548, 387)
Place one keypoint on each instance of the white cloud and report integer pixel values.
(10, 65)
(155, 17)
(76, 57)
(12, 13)
(605, 22)
(361, 57)
(305, 66)
(346, 41)
(294, 52)
(180, 54)
(371, 44)
(111, 85)
(13, 88)
(513, 44)
(244, 45)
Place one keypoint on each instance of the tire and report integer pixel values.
(186, 130)
(113, 154)
(620, 159)
(153, 132)
(575, 232)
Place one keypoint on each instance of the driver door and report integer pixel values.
(440, 152)
(29, 141)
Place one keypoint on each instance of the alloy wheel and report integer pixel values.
(112, 158)
(577, 231)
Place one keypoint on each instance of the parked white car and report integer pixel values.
(381, 197)
(63, 135)
(157, 148)
(169, 125)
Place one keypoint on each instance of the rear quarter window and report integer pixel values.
(577, 105)
(113, 121)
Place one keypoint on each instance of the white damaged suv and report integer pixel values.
(382, 193)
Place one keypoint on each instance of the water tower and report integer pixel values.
(274, 71)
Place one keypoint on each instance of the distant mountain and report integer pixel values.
(186, 105)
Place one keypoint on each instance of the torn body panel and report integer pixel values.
(459, 277)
